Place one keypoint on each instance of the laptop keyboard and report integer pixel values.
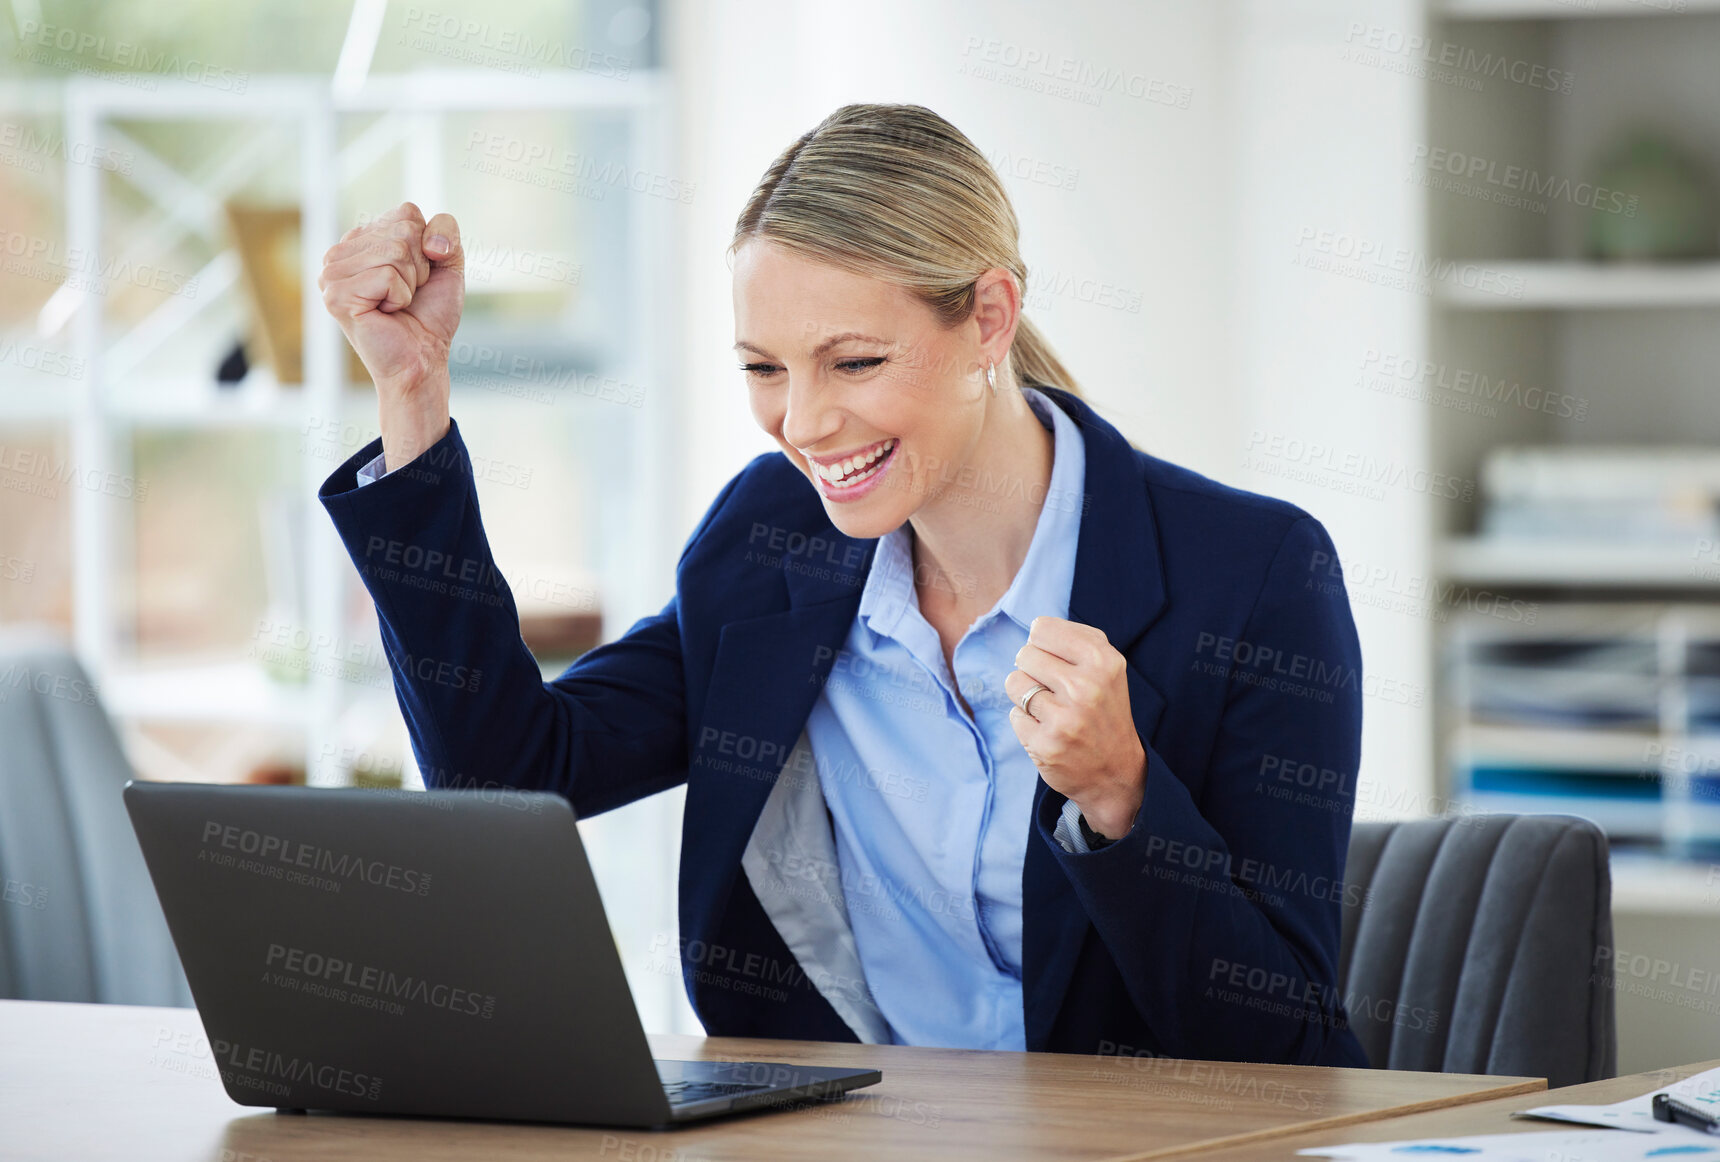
(687, 1092)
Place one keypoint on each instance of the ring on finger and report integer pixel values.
(1027, 698)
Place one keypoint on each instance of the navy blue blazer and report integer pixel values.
(1209, 931)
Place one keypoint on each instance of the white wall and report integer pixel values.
(1146, 215)
(1323, 143)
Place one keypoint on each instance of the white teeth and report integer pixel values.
(838, 474)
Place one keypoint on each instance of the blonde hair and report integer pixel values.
(897, 193)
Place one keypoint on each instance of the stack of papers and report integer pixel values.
(1567, 1146)
(1604, 494)
(1701, 1090)
(1581, 680)
(1644, 1139)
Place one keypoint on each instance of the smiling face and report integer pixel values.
(858, 381)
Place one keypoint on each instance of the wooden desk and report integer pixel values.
(1486, 1117)
(93, 1082)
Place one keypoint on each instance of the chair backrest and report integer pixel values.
(79, 920)
(1481, 944)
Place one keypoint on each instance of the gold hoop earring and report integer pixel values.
(991, 377)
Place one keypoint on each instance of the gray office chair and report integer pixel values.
(78, 918)
(1471, 945)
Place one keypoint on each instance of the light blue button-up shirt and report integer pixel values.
(932, 805)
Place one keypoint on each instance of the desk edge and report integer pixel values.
(1523, 1086)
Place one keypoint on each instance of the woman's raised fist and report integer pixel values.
(396, 286)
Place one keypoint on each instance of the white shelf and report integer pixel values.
(1589, 286)
(1576, 749)
(1569, 9)
(1643, 883)
(421, 91)
(235, 690)
(185, 403)
(206, 407)
(1488, 561)
(199, 403)
(484, 90)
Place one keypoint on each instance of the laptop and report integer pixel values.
(435, 953)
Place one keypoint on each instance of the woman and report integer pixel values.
(996, 732)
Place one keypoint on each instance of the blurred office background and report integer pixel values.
(1442, 272)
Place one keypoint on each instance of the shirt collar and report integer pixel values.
(1042, 584)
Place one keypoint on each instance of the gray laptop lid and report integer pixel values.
(436, 953)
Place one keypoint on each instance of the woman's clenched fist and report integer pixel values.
(396, 286)
(1079, 730)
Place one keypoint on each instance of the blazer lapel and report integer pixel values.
(1119, 587)
(766, 676)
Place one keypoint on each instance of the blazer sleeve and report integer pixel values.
(1223, 914)
(609, 730)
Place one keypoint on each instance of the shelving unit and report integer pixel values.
(1626, 339)
(1594, 709)
(112, 401)
(1636, 344)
